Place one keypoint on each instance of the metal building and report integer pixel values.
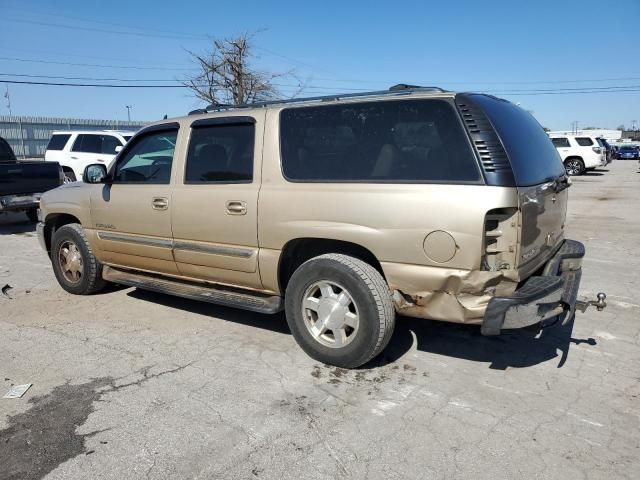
(28, 136)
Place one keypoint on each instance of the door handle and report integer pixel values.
(236, 207)
(74, 158)
(160, 203)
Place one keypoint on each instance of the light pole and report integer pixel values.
(128, 112)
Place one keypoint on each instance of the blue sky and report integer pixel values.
(334, 46)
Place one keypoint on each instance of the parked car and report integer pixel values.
(579, 153)
(74, 150)
(343, 212)
(608, 149)
(628, 152)
(615, 151)
(22, 183)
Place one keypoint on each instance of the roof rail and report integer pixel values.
(399, 89)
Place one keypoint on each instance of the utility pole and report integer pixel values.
(128, 112)
(6, 95)
(633, 124)
(574, 127)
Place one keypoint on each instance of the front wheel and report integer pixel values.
(339, 310)
(574, 166)
(77, 270)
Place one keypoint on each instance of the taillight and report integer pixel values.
(500, 239)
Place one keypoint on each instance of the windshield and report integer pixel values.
(533, 157)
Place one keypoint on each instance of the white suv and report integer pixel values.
(579, 152)
(74, 150)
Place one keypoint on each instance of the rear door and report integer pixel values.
(215, 201)
(132, 215)
(539, 177)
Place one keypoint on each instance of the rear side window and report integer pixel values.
(58, 142)
(532, 156)
(560, 142)
(220, 153)
(584, 141)
(109, 144)
(87, 143)
(388, 141)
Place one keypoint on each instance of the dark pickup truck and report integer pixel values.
(22, 183)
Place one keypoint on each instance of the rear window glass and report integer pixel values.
(58, 142)
(533, 157)
(584, 141)
(560, 142)
(389, 141)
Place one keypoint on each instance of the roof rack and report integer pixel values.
(399, 89)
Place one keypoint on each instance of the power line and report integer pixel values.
(105, 85)
(15, 59)
(99, 30)
(633, 88)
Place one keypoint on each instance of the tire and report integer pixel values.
(80, 273)
(32, 213)
(345, 293)
(69, 176)
(574, 166)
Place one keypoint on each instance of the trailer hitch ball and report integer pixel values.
(600, 303)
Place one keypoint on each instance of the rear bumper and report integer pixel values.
(541, 297)
(9, 203)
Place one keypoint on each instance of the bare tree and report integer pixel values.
(226, 75)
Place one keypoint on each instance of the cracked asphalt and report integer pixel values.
(130, 384)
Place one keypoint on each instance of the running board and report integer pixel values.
(218, 294)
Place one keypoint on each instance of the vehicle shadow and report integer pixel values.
(517, 349)
(276, 323)
(13, 223)
(594, 173)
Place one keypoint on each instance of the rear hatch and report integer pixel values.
(538, 175)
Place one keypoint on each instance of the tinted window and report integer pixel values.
(6, 154)
(88, 144)
(127, 137)
(390, 141)
(58, 142)
(109, 144)
(533, 157)
(560, 142)
(148, 159)
(584, 141)
(220, 153)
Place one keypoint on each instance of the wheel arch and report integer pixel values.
(297, 251)
(54, 222)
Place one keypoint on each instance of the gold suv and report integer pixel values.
(343, 211)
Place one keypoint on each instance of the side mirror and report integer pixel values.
(95, 173)
(118, 148)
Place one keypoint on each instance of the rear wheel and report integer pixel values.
(339, 310)
(69, 176)
(574, 166)
(76, 268)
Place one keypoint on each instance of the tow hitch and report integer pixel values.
(600, 303)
